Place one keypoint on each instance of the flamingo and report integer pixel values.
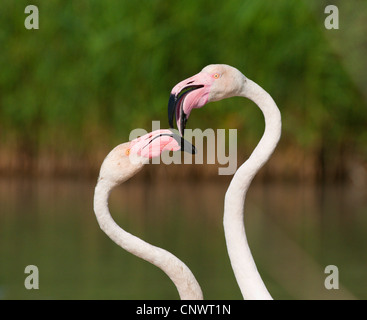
(123, 162)
(213, 83)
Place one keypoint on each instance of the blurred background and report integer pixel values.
(75, 88)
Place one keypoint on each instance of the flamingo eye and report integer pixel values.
(127, 152)
(216, 75)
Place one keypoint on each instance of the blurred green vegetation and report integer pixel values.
(95, 70)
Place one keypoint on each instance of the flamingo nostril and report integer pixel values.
(190, 82)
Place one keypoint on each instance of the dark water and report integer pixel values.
(294, 231)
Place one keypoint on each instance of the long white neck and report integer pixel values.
(248, 278)
(185, 282)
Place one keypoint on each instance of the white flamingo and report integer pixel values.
(213, 83)
(122, 163)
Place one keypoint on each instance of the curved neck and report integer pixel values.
(243, 264)
(185, 282)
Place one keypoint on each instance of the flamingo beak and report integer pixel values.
(175, 107)
(152, 144)
(184, 145)
(186, 95)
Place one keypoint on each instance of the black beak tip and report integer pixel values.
(185, 145)
(171, 109)
(183, 121)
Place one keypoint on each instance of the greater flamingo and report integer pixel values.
(213, 83)
(122, 163)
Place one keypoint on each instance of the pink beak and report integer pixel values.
(187, 95)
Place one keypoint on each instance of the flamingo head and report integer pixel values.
(215, 82)
(128, 158)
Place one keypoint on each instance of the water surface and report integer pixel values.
(294, 232)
